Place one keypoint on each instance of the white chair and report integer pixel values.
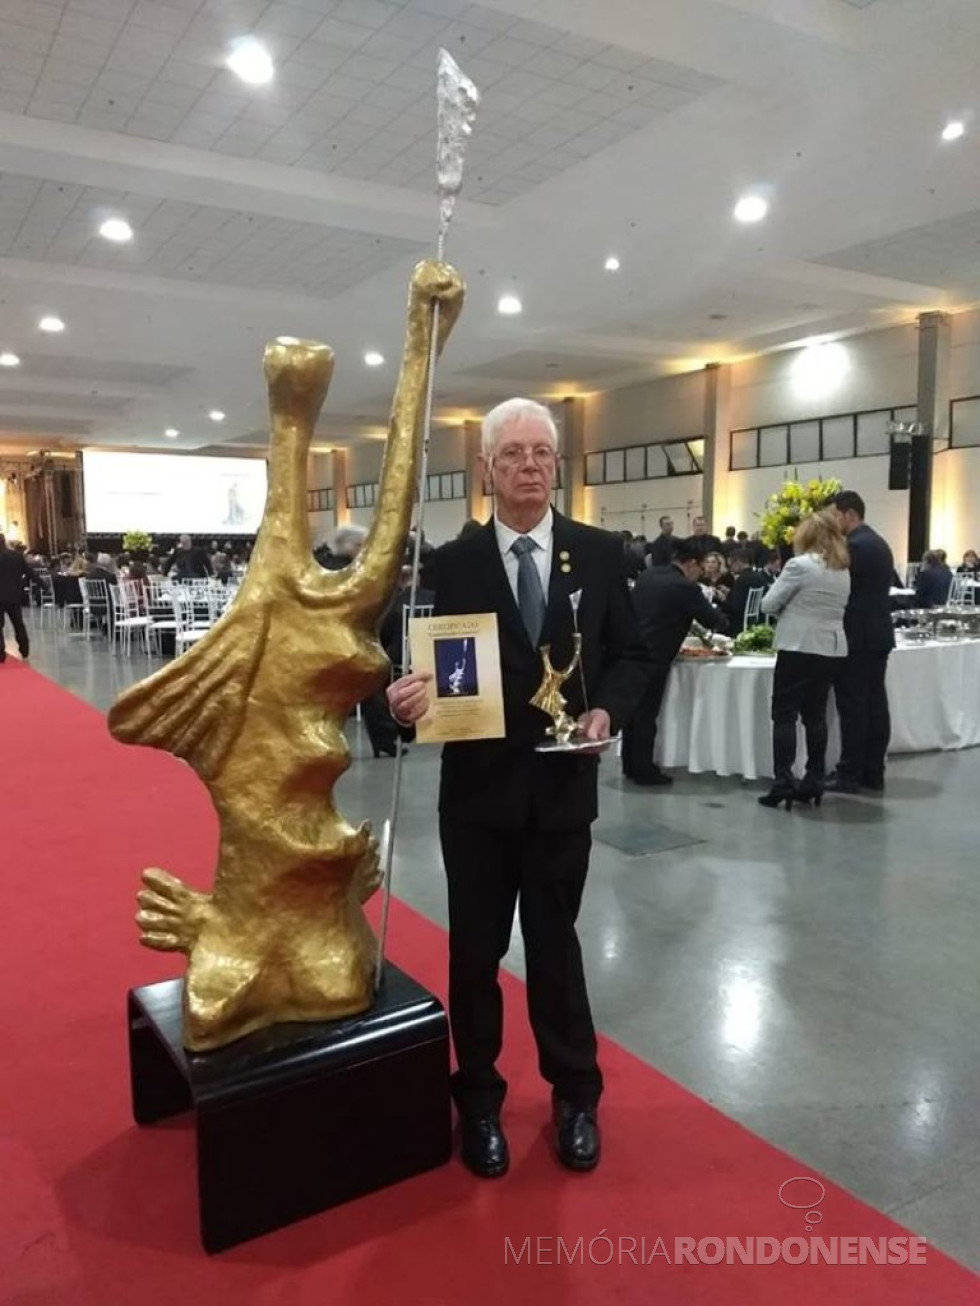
(911, 571)
(753, 607)
(962, 594)
(188, 626)
(46, 599)
(95, 604)
(128, 616)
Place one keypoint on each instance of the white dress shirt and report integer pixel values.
(541, 535)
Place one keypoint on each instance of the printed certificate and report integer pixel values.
(462, 654)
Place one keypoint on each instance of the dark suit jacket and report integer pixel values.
(661, 550)
(868, 616)
(666, 603)
(932, 586)
(503, 783)
(14, 576)
(734, 605)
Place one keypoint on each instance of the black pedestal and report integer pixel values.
(298, 1117)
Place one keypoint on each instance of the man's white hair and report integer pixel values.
(510, 411)
(347, 536)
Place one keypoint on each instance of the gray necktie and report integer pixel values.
(530, 595)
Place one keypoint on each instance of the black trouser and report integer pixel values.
(488, 870)
(13, 611)
(800, 688)
(378, 721)
(640, 736)
(865, 722)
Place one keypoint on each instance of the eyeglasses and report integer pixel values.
(516, 455)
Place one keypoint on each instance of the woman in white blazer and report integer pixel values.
(808, 599)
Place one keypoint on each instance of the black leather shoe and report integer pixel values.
(483, 1146)
(652, 778)
(837, 784)
(576, 1135)
(876, 784)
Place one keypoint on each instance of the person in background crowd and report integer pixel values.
(746, 578)
(859, 685)
(970, 566)
(634, 561)
(728, 543)
(221, 567)
(661, 550)
(742, 538)
(469, 527)
(714, 577)
(933, 580)
(666, 600)
(347, 542)
(706, 542)
(809, 599)
(771, 565)
(15, 574)
(188, 561)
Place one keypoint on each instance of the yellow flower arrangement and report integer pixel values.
(786, 508)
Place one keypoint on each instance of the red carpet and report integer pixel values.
(95, 1212)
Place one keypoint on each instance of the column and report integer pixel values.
(476, 505)
(341, 513)
(933, 412)
(572, 497)
(717, 445)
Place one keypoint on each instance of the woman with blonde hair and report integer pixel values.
(809, 599)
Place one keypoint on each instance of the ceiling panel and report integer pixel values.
(353, 94)
(543, 366)
(121, 372)
(945, 254)
(47, 221)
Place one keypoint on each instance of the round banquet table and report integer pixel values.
(715, 715)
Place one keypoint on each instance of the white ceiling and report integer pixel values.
(607, 126)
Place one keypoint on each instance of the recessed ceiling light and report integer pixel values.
(51, 324)
(509, 305)
(373, 358)
(8, 359)
(251, 61)
(116, 229)
(171, 433)
(216, 415)
(612, 263)
(751, 208)
(953, 130)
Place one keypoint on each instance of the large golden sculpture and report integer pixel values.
(257, 708)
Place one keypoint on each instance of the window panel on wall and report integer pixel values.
(773, 446)
(615, 465)
(838, 437)
(910, 414)
(966, 423)
(872, 433)
(657, 465)
(697, 453)
(745, 450)
(459, 485)
(446, 485)
(595, 468)
(804, 443)
(679, 457)
(636, 463)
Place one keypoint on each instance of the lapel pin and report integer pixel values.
(565, 567)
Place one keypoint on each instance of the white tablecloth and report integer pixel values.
(715, 715)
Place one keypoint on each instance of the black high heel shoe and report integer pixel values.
(780, 794)
(810, 790)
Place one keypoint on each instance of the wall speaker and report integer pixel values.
(899, 465)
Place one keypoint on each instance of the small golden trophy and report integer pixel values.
(550, 700)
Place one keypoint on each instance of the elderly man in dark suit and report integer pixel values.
(667, 600)
(514, 823)
(859, 687)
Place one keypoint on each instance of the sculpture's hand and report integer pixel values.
(408, 697)
(433, 281)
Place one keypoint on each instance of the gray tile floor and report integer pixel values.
(815, 975)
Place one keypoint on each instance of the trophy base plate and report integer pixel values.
(586, 746)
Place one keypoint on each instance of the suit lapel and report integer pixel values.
(565, 578)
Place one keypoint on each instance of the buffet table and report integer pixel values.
(715, 715)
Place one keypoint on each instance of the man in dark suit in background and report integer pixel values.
(706, 542)
(514, 823)
(859, 687)
(747, 578)
(661, 550)
(188, 561)
(666, 599)
(15, 576)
